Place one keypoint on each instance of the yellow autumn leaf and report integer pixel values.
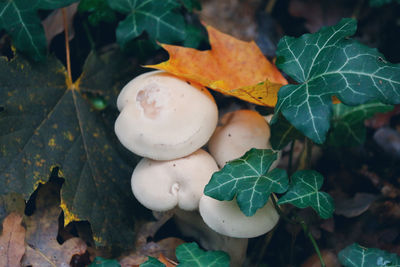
(232, 67)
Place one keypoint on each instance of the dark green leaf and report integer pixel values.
(348, 122)
(282, 132)
(45, 124)
(152, 262)
(378, 3)
(22, 23)
(19, 18)
(327, 64)
(156, 17)
(194, 36)
(190, 255)
(101, 262)
(191, 4)
(248, 179)
(98, 11)
(303, 192)
(52, 4)
(358, 256)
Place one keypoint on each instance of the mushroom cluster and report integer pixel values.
(167, 121)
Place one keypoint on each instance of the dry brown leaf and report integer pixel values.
(12, 241)
(329, 257)
(235, 17)
(42, 248)
(166, 261)
(165, 247)
(232, 67)
(54, 23)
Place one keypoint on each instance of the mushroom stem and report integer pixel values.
(191, 224)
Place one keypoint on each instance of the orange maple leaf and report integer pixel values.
(231, 67)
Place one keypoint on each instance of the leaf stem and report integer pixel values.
(280, 212)
(68, 58)
(305, 157)
(303, 225)
(314, 243)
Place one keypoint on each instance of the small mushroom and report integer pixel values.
(191, 224)
(163, 185)
(240, 131)
(226, 218)
(163, 117)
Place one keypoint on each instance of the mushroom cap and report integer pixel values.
(163, 117)
(240, 131)
(163, 185)
(226, 218)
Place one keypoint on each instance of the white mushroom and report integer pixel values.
(240, 131)
(191, 224)
(226, 218)
(163, 117)
(163, 185)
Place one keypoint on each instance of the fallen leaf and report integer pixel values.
(235, 17)
(163, 247)
(329, 257)
(166, 261)
(53, 24)
(42, 248)
(355, 206)
(11, 202)
(231, 67)
(12, 245)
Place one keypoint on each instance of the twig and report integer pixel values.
(68, 59)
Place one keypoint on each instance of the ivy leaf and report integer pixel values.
(327, 64)
(190, 5)
(379, 3)
(282, 132)
(190, 255)
(19, 18)
(348, 122)
(152, 262)
(358, 256)
(101, 262)
(50, 4)
(303, 192)
(248, 179)
(158, 18)
(98, 11)
(45, 124)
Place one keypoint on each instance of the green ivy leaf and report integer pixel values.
(358, 256)
(190, 5)
(327, 64)
(158, 18)
(19, 18)
(303, 192)
(50, 4)
(248, 179)
(98, 11)
(379, 3)
(194, 36)
(348, 122)
(46, 124)
(101, 262)
(152, 262)
(190, 255)
(282, 132)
